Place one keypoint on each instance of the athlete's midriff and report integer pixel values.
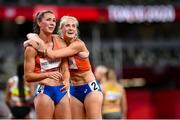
(111, 108)
(81, 78)
(50, 82)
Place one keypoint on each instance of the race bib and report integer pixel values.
(46, 65)
(39, 89)
(94, 85)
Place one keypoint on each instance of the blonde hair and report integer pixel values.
(63, 20)
(103, 69)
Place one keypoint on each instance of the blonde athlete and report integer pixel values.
(114, 103)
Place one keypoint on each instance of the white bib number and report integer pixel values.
(93, 85)
(46, 65)
(39, 89)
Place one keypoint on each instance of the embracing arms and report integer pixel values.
(72, 49)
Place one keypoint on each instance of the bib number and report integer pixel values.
(40, 88)
(94, 86)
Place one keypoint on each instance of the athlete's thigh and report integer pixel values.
(93, 105)
(62, 109)
(44, 106)
(77, 108)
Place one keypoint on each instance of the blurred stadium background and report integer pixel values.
(140, 39)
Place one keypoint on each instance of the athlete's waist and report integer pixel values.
(110, 110)
(81, 83)
(51, 82)
(81, 74)
(49, 85)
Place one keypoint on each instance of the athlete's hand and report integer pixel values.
(55, 75)
(31, 43)
(40, 46)
(33, 36)
(49, 53)
(65, 86)
(32, 40)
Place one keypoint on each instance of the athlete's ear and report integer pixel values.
(39, 23)
(76, 34)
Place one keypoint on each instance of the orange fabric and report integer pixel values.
(82, 64)
(37, 59)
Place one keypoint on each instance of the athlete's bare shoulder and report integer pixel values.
(29, 50)
(80, 41)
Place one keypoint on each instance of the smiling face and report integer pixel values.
(68, 27)
(48, 23)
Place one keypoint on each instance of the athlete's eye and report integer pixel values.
(73, 25)
(67, 25)
(54, 20)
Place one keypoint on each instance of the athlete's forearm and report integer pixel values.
(55, 54)
(66, 76)
(65, 71)
(68, 51)
(35, 77)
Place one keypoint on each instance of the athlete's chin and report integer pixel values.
(70, 36)
(50, 31)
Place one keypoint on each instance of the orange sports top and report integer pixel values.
(44, 64)
(79, 64)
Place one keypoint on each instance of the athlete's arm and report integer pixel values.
(124, 104)
(71, 50)
(29, 66)
(31, 87)
(66, 75)
(8, 94)
(68, 51)
(64, 68)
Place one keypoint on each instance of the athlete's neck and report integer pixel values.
(46, 37)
